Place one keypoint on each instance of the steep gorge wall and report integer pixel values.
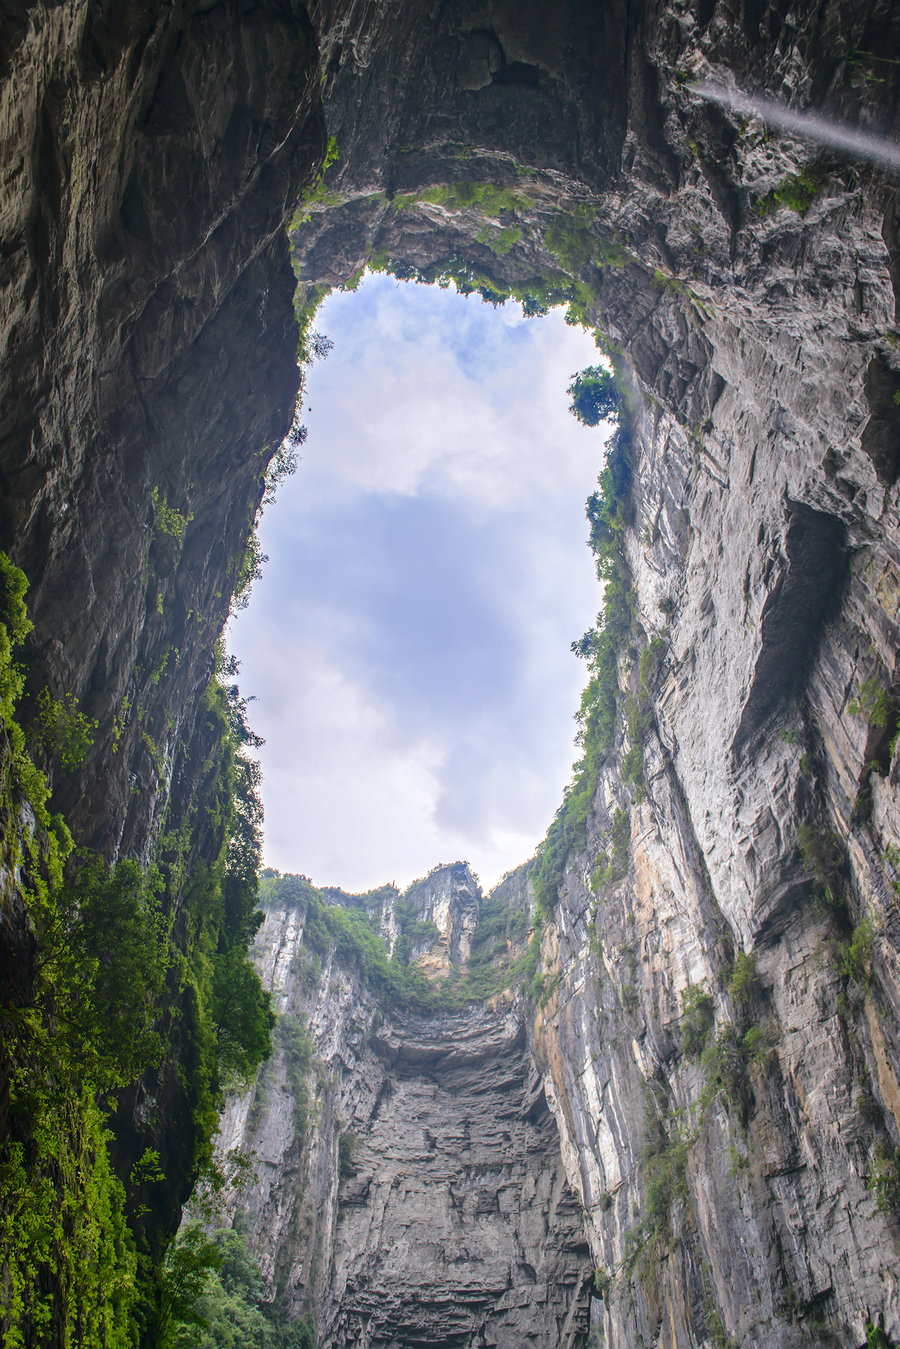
(418, 1194)
(154, 154)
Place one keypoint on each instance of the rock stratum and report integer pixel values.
(715, 1030)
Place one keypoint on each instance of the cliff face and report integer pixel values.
(149, 366)
(718, 1042)
(417, 1196)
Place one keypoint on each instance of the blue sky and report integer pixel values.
(408, 641)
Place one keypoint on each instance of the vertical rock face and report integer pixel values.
(149, 368)
(419, 1194)
(449, 899)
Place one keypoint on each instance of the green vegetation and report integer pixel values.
(347, 1145)
(744, 985)
(317, 194)
(595, 397)
(884, 1182)
(602, 1281)
(499, 241)
(62, 728)
(856, 954)
(607, 512)
(611, 866)
(873, 702)
(349, 929)
(249, 570)
(217, 1297)
(109, 969)
(665, 1174)
(797, 192)
(486, 198)
(698, 1019)
(168, 521)
(875, 1337)
(823, 857)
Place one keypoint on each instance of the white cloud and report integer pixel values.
(418, 706)
(494, 429)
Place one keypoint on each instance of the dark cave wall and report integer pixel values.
(146, 299)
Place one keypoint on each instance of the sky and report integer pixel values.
(407, 644)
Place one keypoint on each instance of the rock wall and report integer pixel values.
(145, 301)
(419, 1195)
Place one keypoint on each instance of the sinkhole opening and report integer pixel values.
(408, 642)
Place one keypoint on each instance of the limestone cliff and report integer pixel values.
(418, 1195)
(716, 1031)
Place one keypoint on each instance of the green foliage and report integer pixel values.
(698, 1018)
(725, 1067)
(249, 569)
(356, 946)
(611, 867)
(744, 984)
(242, 1016)
(218, 1297)
(283, 463)
(295, 1044)
(856, 955)
(347, 1145)
(873, 702)
(602, 1281)
(168, 521)
(15, 625)
(499, 241)
(63, 730)
(104, 957)
(109, 970)
(823, 857)
(347, 930)
(757, 1043)
(665, 1174)
(651, 658)
(595, 397)
(607, 515)
(884, 1182)
(570, 238)
(875, 1337)
(797, 192)
(62, 1224)
(633, 770)
(488, 199)
(332, 154)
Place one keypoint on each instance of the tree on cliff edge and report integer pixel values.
(594, 396)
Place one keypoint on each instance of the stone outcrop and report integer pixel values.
(746, 286)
